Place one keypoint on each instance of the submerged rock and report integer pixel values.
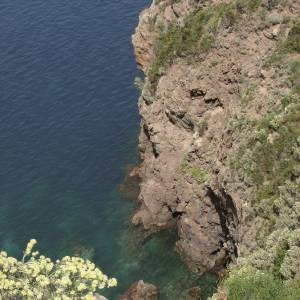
(194, 294)
(129, 188)
(141, 291)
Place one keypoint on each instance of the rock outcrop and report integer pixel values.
(160, 12)
(187, 143)
(141, 291)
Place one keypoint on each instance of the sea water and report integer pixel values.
(68, 131)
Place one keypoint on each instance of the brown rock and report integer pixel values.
(129, 188)
(141, 291)
(222, 294)
(194, 294)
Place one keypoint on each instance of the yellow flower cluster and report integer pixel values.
(37, 277)
(29, 247)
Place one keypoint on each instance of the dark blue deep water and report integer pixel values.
(68, 130)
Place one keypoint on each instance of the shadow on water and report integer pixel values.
(104, 237)
(159, 264)
(155, 257)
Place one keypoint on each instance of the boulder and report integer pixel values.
(194, 294)
(141, 291)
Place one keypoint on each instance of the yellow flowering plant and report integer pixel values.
(37, 277)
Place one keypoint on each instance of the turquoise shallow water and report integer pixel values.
(69, 125)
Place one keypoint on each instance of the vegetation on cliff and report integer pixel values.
(258, 141)
(248, 283)
(270, 163)
(194, 171)
(197, 36)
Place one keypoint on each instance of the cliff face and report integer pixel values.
(203, 100)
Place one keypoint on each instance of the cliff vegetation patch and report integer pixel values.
(193, 171)
(269, 163)
(271, 159)
(198, 34)
(249, 283)
(283, 58)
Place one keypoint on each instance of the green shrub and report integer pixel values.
(294, 75)
(250, 284)
(167, 45)
(293, 292)
(293, 40)
(194, 172)
(279, 258)
(269, 159)
(202, 126)
(247, 96)
(254, 286)
(280, 58)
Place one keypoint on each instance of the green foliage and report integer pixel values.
(246, 5)
(250, 284)
(194, 172)
(165, 48)
(279, 258)
(279, 254)
(202, 126)
(37, 277)
(195, 37)
(269, 159)
(236, 125)
(269, 162)
(293, 40)
(258, 286)
(294, 75)
(280, 58)
(247, 96)
(293, 292)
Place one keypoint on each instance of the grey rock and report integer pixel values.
(99, 297)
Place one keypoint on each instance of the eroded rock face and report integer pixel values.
(206, 236)
(186, 143)
(141, 291)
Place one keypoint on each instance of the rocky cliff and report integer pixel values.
(219, 140)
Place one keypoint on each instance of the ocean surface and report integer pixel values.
(68, 132)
